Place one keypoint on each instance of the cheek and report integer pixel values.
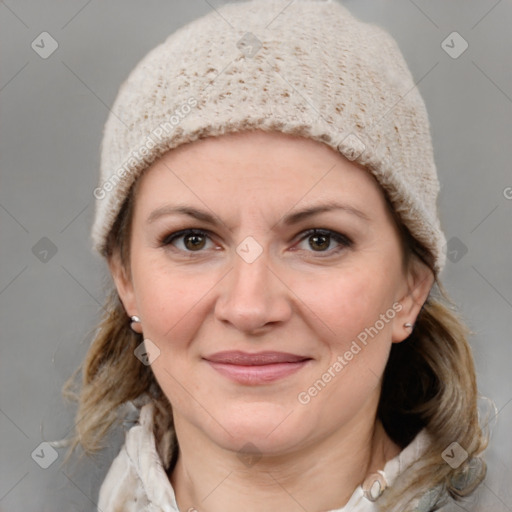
(171, 304)
(356, 305)
(169, 300)
(350, 301)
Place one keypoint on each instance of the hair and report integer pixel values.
(429, 382)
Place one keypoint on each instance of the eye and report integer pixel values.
(320, 240)
(193, 240)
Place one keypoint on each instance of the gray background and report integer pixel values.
(53, 111)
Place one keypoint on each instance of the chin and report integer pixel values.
(262, 427)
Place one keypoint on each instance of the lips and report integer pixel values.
(257, 368)
(257, 359)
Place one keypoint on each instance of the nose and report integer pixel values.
(253, 297)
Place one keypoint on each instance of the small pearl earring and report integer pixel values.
(134, 320)
(408, 325)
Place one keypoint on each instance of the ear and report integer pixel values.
(417, 284)
(124, 287)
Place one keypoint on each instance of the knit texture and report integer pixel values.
(309, 68)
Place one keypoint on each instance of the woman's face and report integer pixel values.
(267, 333)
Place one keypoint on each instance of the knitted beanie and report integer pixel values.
(306, 68)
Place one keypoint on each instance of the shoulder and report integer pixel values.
(136, 479)
(122, 489)
(404, 463)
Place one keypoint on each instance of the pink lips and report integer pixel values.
(257, 368)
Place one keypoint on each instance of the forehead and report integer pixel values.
(257, 171)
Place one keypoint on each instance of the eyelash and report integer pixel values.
(341, 239)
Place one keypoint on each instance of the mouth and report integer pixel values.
(257, 368)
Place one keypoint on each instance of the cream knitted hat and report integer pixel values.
(307, 68)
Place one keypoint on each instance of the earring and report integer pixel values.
(135, 320)
(408, 325)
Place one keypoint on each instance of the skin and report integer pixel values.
(302, 295)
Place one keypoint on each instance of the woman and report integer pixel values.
(267, 210)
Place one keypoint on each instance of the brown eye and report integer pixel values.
(192, 240)
(319, 240)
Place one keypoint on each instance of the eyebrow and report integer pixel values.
(288, 220)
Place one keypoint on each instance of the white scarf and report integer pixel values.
(137, 481)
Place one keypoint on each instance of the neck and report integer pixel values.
(320, 477)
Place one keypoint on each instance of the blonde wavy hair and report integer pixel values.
(429, 382)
